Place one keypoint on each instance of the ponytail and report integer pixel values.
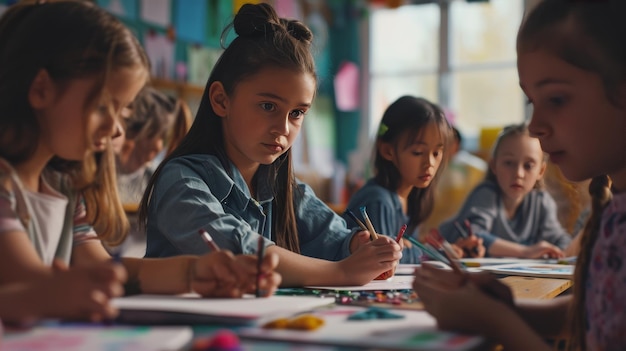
(600, 191)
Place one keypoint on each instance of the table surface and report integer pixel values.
(536, 288)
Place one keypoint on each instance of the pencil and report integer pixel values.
(428, 251)
(208, 240)
(465, 235)
(448, 251)
(368, 223)
(260, 253)
(401, 233)
(356, 219)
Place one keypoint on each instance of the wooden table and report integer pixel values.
(536, 288)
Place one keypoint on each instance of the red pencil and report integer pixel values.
(400, 233)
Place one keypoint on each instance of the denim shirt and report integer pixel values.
(195, 191)
(385, 211)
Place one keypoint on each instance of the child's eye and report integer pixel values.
(529, 166)
(268, 106)
(557, 101)
(297, 114)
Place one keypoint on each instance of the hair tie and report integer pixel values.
(382, 129)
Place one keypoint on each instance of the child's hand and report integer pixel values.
(81, 293)
(471, 247)
(459, 302)
(370, 259)
(358, 239)
(542, 249)
(448, 279)
(222, 274)
(269, 279)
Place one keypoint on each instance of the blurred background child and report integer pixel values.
(156, 125)
(510, 203)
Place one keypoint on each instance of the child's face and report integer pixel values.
(417, 163)
(264, 114)
(577, 125)
(518, 165)
(63, 119)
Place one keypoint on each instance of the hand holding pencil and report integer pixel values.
(370, 253)
(471, 245)
(222, 274)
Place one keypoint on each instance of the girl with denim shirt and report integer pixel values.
(232, 175)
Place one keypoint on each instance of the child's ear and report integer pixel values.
(41, 91)
(219, 99)
(385, 150)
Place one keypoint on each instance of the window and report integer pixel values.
(458, 54)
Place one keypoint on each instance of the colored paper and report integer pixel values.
(191, 19)
(200, 62)
(160, 51)
(156, 12)
(347, 87)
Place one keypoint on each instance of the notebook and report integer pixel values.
(191, 309)
(73, 337)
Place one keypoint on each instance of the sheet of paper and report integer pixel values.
(86, 337)
(246, 307)
(397, 282)
(542, 270)
(489, 261)
(406, 268)
(416, 331)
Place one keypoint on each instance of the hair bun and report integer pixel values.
(298, 30)
(255, 20)
(261, 19)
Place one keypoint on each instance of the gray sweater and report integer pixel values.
(535, 218)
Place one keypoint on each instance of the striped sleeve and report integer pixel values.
(83, 231)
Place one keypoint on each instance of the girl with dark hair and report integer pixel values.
(233, 176)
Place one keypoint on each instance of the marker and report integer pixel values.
(208, 239)
(260, 253)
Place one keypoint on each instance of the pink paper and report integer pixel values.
(347, 87)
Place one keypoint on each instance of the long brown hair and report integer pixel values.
(70, 40)
(590, 35)
(410, 115)
(263, 40)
